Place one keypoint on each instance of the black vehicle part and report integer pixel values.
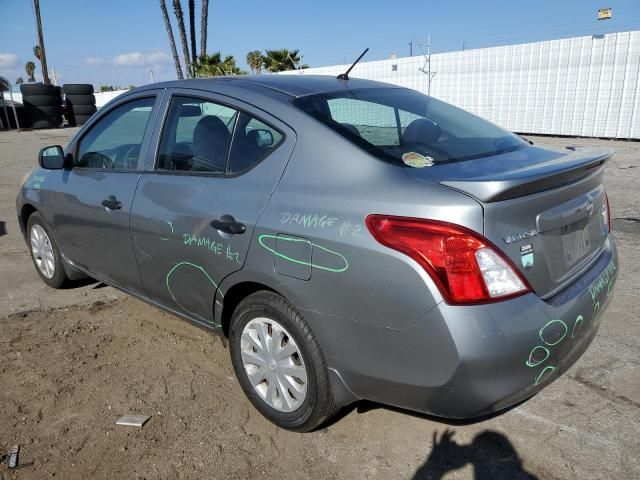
(38, 89)
(80, 99)
(77, 89)
(41, 100)
(84, 109)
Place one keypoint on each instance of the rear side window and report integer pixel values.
(397, 123)
(114, 141)
(196, 136)
(204, 136)
(253, 140)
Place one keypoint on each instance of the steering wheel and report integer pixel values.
(130, 157)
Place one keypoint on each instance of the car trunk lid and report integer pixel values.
(545, 209)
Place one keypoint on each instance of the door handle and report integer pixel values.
(112, 203)
(228, 224)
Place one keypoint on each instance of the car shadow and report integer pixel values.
(490, 453)
(3, 229)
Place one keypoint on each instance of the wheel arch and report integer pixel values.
(25, 212)
(234, 296)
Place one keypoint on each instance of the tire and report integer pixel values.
(77, 89)
(50, 110)
(84, 109)
(80, 99)
(37, 89)
(317, 403)
(41, 100)
(51, 122)
(58, 277)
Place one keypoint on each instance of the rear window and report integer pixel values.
(407, 127)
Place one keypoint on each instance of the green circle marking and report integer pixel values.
(261, 239)
(551, 322)
(577, 325)
(545, 374)
(177, 266)
(531, 363)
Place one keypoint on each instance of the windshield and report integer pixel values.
(407, 127)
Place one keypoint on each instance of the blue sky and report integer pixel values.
(118, 42)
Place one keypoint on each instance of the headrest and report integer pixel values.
(422, 130)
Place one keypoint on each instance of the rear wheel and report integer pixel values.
(44, 252)
(279, 364)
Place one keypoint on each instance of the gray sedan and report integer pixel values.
(352, 239)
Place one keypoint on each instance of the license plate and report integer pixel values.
(576, 245)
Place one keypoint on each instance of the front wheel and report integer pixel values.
(279, 364)
(44, 252)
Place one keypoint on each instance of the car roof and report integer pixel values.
(291, 85)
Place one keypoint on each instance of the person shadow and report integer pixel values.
(490, 453)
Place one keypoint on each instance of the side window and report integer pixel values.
(253, 140)
(373, 122)
(196, 136)
(114, 141)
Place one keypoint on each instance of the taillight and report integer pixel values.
(465, 266)
(606, 214)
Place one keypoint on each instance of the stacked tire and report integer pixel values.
(43, 105)
(80, 103)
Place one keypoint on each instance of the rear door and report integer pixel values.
(93, 202)
(216, 164)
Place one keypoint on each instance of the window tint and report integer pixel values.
(373, 122)
(253, 140)
(392, 122)
(202, 136)
(114, 141)
(196, 136)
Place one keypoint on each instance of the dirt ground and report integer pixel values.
(69, 370)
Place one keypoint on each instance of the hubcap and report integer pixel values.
(42, 251)
(274, 364)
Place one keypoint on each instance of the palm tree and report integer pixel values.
(254, 60)
(214, 66)
(192, 30)
(203, 26)
(177, 9)
(282, 60)
(172, 42)
(30, 68)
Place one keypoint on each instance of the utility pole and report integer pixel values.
(464, 45)
(151, 74)
(427, 58)
(411, 48)
(43, 56)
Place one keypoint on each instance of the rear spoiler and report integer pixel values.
(534, 178)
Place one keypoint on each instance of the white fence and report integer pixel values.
(583, 86)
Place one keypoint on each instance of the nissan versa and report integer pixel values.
(353, 239)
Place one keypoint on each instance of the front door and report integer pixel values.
(93, 202)
(198, 202)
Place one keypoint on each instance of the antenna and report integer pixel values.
(345, 75)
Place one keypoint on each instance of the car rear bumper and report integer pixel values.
(468, 361)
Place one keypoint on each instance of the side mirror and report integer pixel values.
(51, 158)
(265, 138)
